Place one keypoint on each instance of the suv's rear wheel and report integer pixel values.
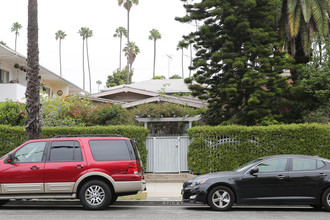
(220, 198)
(3, 202)
(95, 194)
(326, 200)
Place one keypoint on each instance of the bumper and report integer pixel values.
(193, 195)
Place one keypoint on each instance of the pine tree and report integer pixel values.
(238, 61)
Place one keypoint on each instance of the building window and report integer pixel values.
(4, 76)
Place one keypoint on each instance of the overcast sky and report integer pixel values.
(103, 17)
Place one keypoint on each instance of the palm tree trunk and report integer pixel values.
(154, 57)
(89, 69)
(32, 123)
(191, 58)
(120, 54)
(60, 58)
(128, 64)
(182, 63)
(15, 40)
(83, 64)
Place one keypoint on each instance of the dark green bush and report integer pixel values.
(11, 137)
(226, 147)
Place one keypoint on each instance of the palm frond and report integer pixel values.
(319, 10)
(306, 6)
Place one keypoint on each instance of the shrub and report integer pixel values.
(226, 147)
(12, 113)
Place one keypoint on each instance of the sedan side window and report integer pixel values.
(275, 165)
(306, 164)
(31, 152)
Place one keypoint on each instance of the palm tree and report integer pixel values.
(60, 35)
(98, 82)
(154, 35)
(131, 51)
(182, 44)
(32, 123)
(299, 20)
(83, 33)
(128, 5)
(15, 28)
(120, 32)
(89, 33)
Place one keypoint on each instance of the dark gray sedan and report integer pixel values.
(281, 179)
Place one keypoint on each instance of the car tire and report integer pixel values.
(220, 198)
(326, 200)
(95, 195)
(114, 199)
(4, 202)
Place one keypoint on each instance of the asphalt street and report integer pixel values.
(74, 212)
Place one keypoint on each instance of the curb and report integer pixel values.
(77, 203)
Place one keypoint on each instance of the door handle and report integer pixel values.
(322, 175)
(280, 177)
(79, 166)
(35, 168)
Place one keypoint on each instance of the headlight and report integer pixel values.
(198, 183)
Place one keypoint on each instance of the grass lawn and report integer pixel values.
(139, 196)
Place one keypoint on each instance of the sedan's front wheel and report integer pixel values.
(220, 198)
(326, 200)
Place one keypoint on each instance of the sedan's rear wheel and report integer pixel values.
(95, 195)
(220, 198)
(326, 200)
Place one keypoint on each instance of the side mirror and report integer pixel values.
(10, 158)
(254, 170)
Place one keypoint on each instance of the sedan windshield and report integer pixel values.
(247, 165)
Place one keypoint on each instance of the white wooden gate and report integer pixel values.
(167, 154)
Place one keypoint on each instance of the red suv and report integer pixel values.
(95, 169)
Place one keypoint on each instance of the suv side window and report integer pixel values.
(275, 165)
(31, 152)
(109, 150)
(65, 151)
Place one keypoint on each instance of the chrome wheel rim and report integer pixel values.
(328, 199)
(221, 198)
(94, 195)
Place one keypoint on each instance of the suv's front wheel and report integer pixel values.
(95, 194)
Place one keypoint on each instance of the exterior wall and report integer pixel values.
(13, 91)
(54, 88)
(126, 97)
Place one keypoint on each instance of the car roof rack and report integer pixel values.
(87, 135)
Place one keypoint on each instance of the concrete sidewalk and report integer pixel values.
(164, 191)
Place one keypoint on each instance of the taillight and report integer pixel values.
(133, 168)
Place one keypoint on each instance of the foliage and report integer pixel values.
(227, 147)
(12, 113)
(76, 110)
(164, 109)
(3, 43)
(14, 136)
(175, 76)
(158, 77)
(238, 61)
(109, 114)
(119, 77)
(131, 51)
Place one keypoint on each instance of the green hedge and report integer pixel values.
(11, 137)
(227, 147)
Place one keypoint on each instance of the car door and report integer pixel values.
(25, 173)
(269, 183)
(64, 165)
(306, 178)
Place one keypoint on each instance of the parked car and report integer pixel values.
(94, 168)
(281, 179)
